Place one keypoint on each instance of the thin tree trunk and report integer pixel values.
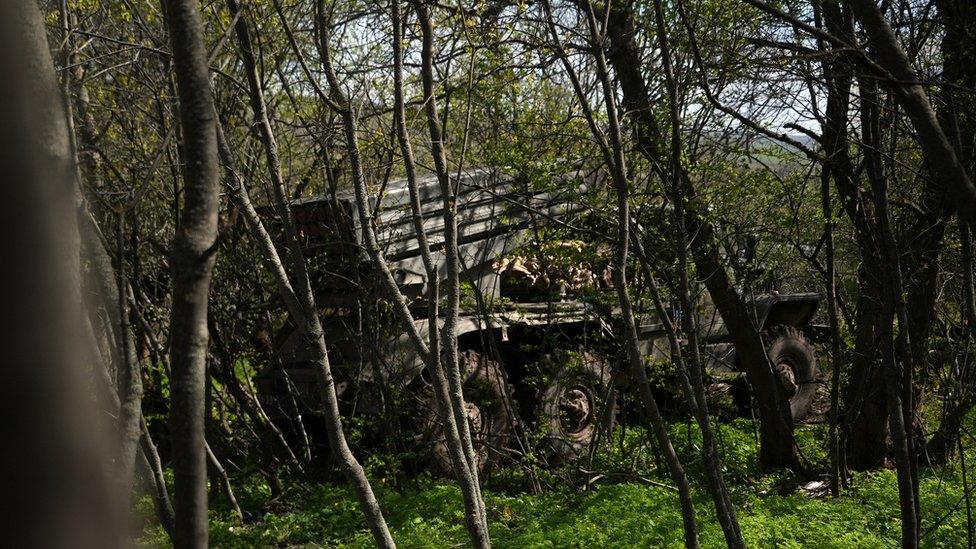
(111, 281)
(308, 319)
(693, 386)
(896, 355)
(968, 293)
(430, 355)
(777, 443)
(613, 153)
(713, 467)
(148, 463)
(861, 418)
(157, 479)
(476, 520)
(223, 371)
(834, 144)
(191, 264)
(956, 115)
(836, 358)
(225, 479)
(449, 343)
(966, 495)
(130, 378)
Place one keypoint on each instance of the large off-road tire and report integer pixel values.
(575, 401)
(491, 417)
(794, 361)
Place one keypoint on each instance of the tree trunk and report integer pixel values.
(58, 493)
(694, 367)
(111, 280)
(449, 342)
(834, 144)
(895, 350)
(153, 471)
(225, 480)
(130, 378)
(191, 264)
(958, 116)
(613, 153)
(777, 444)
(430, 350)
(305, 311)
(270, 434)
(968, 297)
(936, 148)
(860, 415)
(147, 462)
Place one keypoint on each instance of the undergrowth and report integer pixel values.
(629, 504)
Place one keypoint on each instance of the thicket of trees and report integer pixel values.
(153, 150)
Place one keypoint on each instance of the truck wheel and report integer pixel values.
(488, 401)
(795, 363)
(577, 398)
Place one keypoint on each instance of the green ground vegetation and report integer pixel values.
(628, 505)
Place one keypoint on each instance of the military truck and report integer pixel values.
(539, 355)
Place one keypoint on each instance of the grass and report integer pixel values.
(635, 509)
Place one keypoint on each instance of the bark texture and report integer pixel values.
(478, 522)
(191, 265)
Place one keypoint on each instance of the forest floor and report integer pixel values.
(628, 505)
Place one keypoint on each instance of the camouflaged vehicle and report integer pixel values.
(537, 355)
